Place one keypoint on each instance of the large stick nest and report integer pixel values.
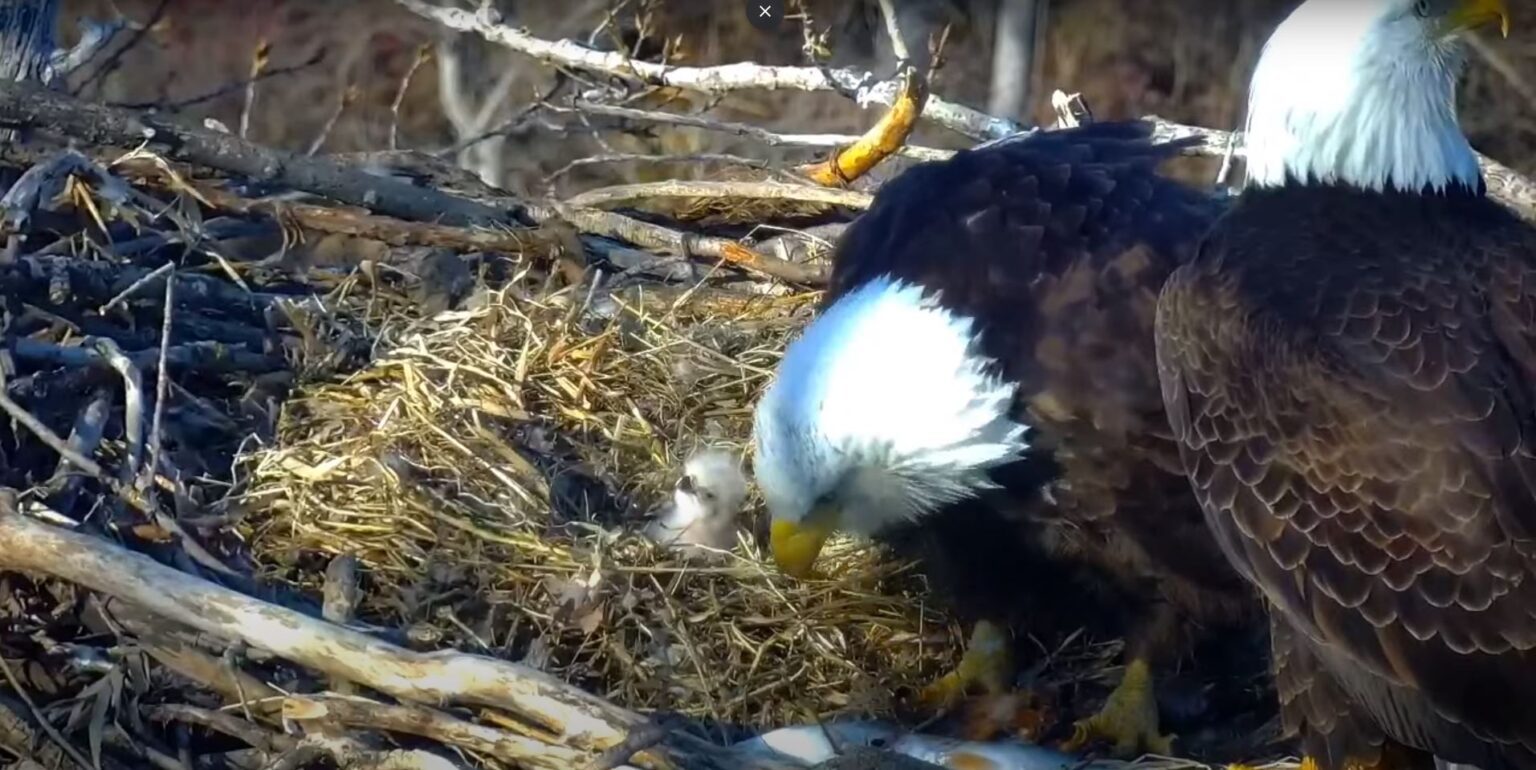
(488, 468)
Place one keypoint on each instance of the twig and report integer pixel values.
(224, 90)
(682, 188)
(770, 138)
(893, 30)
(720, 79)
(133, 403)
(134, 287)
(27, 105)
(259, 60)
(423, 54)
(162, 377)
(37, 714)
(139, 33)
(348, 95)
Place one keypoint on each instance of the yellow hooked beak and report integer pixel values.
(795, 544)
(1470, 14)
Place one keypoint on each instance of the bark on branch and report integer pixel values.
(724, 78)
(568, 715)
(28, 106)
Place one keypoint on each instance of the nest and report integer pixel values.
(488, 469)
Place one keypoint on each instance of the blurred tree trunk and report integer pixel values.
(1013, 57)
(26, 38)
(26, 43)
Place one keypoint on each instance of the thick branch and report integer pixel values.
(769, 138)
(572, 716)
(23, 105)
(683, 188)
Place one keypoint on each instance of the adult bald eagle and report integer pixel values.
(1350, 366)
(979, 389)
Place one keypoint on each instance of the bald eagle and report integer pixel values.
(1349, 364)
(979, 390)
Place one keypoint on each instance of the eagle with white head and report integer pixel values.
(1349, 367)
(979, 391)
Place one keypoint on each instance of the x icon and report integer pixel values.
(766, 15)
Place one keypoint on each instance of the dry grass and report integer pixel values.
(481, 469)
(489, 465)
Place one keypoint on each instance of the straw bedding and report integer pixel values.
(490, 466)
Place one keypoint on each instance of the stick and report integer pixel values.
(893, 30)
(30, 106)
(42, 721)
(133, 403)
(671, 241)
(134, 288)
(682, 188)
(770, 138)
(162, 377)
(423, 53)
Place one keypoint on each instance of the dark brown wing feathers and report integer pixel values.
(1058, 245)
(1357, 418)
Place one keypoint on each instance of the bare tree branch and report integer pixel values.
(770, 138)
(683, 188)
(721, 79)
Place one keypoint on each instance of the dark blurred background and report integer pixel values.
(343, 61)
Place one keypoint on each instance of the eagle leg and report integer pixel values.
(1128, 719)
(987, 662)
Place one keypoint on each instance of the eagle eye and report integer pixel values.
(1423, 8)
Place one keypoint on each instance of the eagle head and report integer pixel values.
(883, 410)
(1363, 93)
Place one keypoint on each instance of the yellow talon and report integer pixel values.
(1128, 719)
(988, 662)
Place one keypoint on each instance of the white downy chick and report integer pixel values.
(706, 502)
